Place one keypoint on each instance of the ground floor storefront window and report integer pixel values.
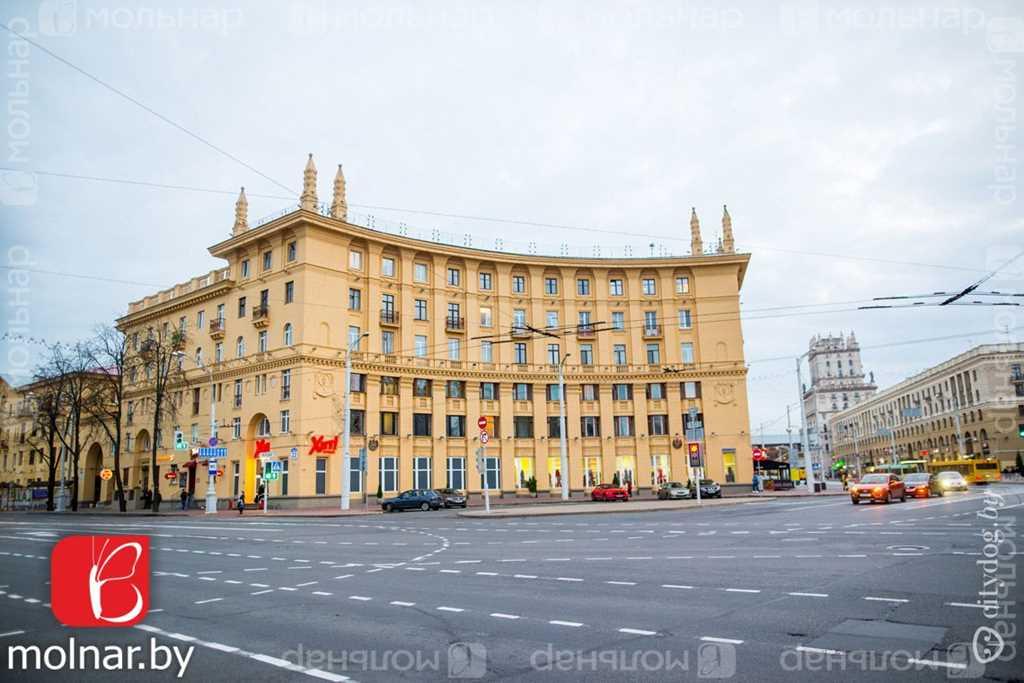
(591, 471)
(492, 471)
(625, 467)
(388, 473)
(421, 473)
(457, 473)
(524, 472)
(729, 464)
(660, 469)
(554, 472)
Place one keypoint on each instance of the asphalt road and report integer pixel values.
(797, 589)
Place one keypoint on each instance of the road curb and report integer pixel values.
(607, 508)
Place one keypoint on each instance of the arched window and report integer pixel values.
(264, 429)
(240, 347)
(288, 341)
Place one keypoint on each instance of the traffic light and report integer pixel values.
(179, 440)
(1020, 430)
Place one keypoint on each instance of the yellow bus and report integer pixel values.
(979, 471)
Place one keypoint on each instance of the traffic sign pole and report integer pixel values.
(481, 466)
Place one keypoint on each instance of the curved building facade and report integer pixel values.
(442, 337)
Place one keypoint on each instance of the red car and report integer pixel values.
(884, 488)
(609, 492)
(920, 484)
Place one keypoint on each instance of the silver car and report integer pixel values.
(673, 490)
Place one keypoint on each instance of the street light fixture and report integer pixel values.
(346, 496)
(562, 445)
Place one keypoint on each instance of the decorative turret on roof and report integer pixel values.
(728, 244)
(308, 200)
(241, 214)
(339, 207)
(696, 244)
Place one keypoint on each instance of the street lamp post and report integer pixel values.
(808, 464)
(562, 441)
(346, 495)
(211, 487)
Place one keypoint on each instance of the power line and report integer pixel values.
(508, 221)
(148, 109)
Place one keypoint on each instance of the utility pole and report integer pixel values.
(959, 433)
(562, 440)
(211, 490)
(808, 465)
(789, 431)
(346, 464)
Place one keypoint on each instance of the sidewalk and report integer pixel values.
(588, 507)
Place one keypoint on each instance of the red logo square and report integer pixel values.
(100, 580)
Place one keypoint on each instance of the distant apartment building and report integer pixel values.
(838, 382)
(969, 406)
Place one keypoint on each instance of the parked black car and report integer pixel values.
(414, 499)
(451, 498)
(708, 489)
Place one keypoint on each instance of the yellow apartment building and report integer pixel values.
(442, 336)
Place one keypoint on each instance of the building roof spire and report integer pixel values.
(308, 200)
(728, 243)
(339, 207)
(696, 244)
(241, 214)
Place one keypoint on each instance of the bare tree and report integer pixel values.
(43, 398)
(110, 357)
(161, 358)
(71, 365)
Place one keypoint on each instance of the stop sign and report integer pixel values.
(482, 423)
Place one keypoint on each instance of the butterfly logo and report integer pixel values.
(100, 581)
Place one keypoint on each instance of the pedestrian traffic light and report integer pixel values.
(1020, 430)
(179, 440)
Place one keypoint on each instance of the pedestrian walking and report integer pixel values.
(240, 503)
(629, 489)
(754, 483)
(184, 499)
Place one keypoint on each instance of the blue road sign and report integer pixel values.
(213, 441)
(213, 467)
(275, 466)
(220, 452)
(294, 453)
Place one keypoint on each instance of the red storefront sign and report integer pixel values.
(262, 446)
(321, 444)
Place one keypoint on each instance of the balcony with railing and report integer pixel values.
(453, 324)
(585, 332)
(652, 331)
(261, 316)
(389, 317)
(521, 332)
(217, 328)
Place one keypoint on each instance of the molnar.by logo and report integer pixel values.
(100, 581)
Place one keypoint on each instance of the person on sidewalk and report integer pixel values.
(754, 483)
(240, 503)
(184, 498)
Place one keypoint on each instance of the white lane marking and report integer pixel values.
(567, 578)
(269, 590)
(852, 555)
(11, 633)
(559, 622)
(415, 569)
(232, 581)
(255, 569)
(443, 608)
(524, 576)
(502, 615)
(965, 604)
(869, 597)
(301, 566)
(203, 602)
(286, 588)
(468, 561)
(673, 557)
(676, 585)
(742, 590)
(400, 603)
(765, 557)
(343, 576)
(935, 662)
(322, 593)
(259, 585)
(622, 583)
(716, 639)
(308, 583)
(207, 578)
(211, 571)
(265, 659)
(451, 571)
(809, 595)
(802, 648)
(637, 631)
(361, 598)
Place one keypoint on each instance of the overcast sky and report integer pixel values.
(860, 152)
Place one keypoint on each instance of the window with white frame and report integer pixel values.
(457, 473)
(619, 354)
(618, 320)
(420, 345)
(682, 285)
(686, 352)
(419, 272)
(685, 321)
(388, 473)
(648, 287)
(286, 421)
(288, 336)
(486, 352)
(355, 260)
(387, 266)
(421, 473)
